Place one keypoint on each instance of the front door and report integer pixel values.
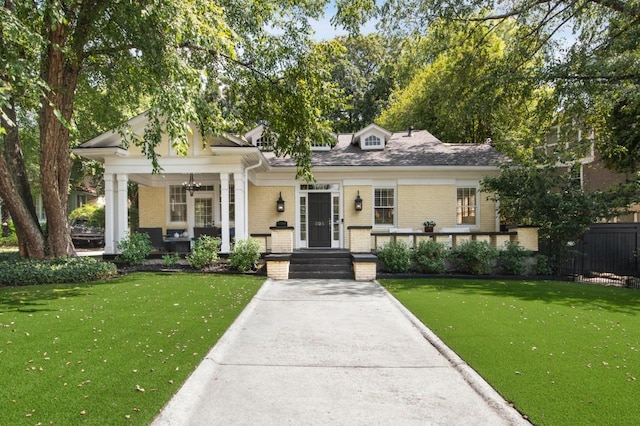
(319, 219)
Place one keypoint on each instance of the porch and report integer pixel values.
(284, 262)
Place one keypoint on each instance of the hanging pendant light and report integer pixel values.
(191, 185)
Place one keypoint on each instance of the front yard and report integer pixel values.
(562, 353)
(112, 352)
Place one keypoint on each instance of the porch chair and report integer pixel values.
(211, 231)
(155, 235)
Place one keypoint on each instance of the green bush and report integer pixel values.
(12, 239)
(543, 265)
(17, 271)
(430, 257)
(513, 259)
(134, 249)
(395, 256)
(474, 257)
(93, 213)
(170, 259)
(205, 252)
(245, 255)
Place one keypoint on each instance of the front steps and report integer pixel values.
(320, 264)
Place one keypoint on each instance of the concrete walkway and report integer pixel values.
(332, 352)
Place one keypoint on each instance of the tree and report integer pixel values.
(459, 92)
(170, 58)
(542, 194)
(591, 48)
(364, 71)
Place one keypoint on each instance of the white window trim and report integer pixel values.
(395, 206)
(171, 223)
(477, 206)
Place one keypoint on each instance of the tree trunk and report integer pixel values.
(16, 192)
(61, 75)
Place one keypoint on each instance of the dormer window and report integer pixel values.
(372, 137)
(372, 141)
(264, 143)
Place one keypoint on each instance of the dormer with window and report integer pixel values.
(372, 137)
(258, 137)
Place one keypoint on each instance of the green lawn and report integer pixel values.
(113, 352)
(563, 353)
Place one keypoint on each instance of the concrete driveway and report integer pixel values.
(333, 352)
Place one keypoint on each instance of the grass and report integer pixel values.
(562, 353)
(112, 352)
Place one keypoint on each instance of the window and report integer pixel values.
(177, 203)
(303, 218)
(42, 216)
(466, 206)
(384, 206)
(372, 140)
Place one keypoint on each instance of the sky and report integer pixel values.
(325, 31)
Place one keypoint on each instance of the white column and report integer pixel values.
(122, 215)
(109, 223)
(225, 247)
(241, 231)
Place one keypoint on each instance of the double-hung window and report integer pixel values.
(466, 206)
(177, 203)
(384, 206)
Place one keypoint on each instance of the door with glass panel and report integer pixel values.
(203, 211)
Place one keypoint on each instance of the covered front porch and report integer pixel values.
(208, 200)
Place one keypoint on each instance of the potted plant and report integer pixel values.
(429, 225)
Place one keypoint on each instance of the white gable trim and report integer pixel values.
(365, 136)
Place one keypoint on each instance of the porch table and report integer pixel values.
(178, 245)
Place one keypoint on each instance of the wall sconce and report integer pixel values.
(358, 203)
(280, 204)
(192, 185)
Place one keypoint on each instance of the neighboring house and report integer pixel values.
(402, 179)
(594, 176)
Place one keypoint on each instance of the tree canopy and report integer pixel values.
(466, 89)
(591, 50)
(69, 69)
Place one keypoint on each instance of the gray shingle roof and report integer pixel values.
(419, 149)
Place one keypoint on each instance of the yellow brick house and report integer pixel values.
(373, 178)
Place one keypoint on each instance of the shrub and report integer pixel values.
(19, 271)
(11, 240)
(170, 259)
(396, 256)
(245, 254)
(205, 252)
(93, 213)
(134, 249)
(430, 257)
(474, 257)
(543, 265)
(513, 259)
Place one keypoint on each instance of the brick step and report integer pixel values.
(321, 260)
(317, 266)
(321, 254)
(321, 275)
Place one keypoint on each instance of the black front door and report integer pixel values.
(319, 219)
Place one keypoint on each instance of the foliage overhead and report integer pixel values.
(70, 69)
(456, 87)
(364, 71)
(592, 51)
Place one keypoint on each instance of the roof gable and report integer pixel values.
(372, 137)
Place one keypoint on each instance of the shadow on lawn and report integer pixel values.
(615, 299)
(31, 299)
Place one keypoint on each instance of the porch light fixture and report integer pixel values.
(280, 204)
(358, 203)
(192, 185)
